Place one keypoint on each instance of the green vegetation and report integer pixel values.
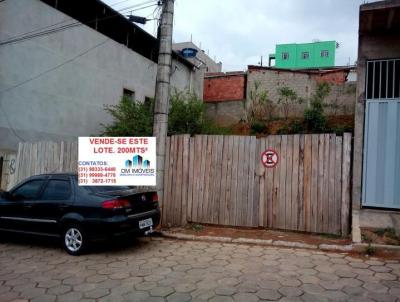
(314, 117)
(261, 108)
(129, 118)
(186, 116)
(370, 250)
(197, 227)
(287, 98)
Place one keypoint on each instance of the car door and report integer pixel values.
(53, 202)
(14, 209)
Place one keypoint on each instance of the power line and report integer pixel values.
(28, 36)
(38, 76)
(54, 68)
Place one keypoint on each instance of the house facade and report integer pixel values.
(304, 55)
(376, 160)
(61, 61)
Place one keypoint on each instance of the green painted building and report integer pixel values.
(304, 55)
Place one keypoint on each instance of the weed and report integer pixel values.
(370, 250)
(197, 227)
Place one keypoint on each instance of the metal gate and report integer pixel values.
(381, 177)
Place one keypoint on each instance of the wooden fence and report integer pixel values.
(45, 157)
(221, 180)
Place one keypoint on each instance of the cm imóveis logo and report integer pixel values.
(137, 166)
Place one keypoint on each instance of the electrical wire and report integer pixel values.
(38, 76)
(69, 19)
(54, 68)
(33, 34)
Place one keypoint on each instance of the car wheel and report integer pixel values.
(74, 240)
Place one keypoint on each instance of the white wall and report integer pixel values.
(68, 101)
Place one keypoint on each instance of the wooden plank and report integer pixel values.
(295, 184)
(277, 141)
(171, 189)
(213, 180)
(253, 187)
(243, 181)
(314, 182)
(281, 219)
(164, 201)
(217, 198)
(320, 184)
(178, 186)
(229, 193)
(300, 198)
(190, 180)
(338, 184)
(224, 178)
(345, 207)
(331, 207)
(203, 159)
(261, 179)
(196, 177)
(260, 172)
(268, 184)
(235, 158)
(325, 195)
(18, 160)
(288, 185)
(241, 202)
(185, 178)
(61, 159)
(207, 180)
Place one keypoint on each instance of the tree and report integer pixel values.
(260, 107)
(287, 98)
(186, 115)
(130, 118)
(314, 117)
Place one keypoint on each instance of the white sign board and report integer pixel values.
(117, 161)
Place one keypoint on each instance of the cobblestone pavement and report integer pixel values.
(168, 270)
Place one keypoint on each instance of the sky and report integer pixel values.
(239, 32)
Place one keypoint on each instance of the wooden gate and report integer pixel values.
(221, 180)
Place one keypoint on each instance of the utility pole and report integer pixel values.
(161, 106)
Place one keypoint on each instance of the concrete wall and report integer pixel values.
(68, 101)
(304, 84)
(375, 41)
(226, 113)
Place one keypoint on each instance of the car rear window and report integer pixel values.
(101, 189)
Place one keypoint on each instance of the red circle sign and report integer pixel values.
(269, 158)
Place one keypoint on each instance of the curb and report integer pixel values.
(268, 242)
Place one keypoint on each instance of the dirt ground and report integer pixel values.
(380, 236)
(207, 230)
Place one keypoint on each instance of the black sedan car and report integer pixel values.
(54, 205)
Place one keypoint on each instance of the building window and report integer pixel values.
(305, 55)
(324, 53)
(147, 100)
(129, 94)
(285, 56)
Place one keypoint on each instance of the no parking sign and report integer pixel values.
(269, 158)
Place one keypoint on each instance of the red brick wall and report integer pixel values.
(224, 88)
(333, 77)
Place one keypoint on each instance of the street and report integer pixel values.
(166, 270)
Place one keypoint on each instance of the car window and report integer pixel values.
(29, 190)
(100, 189)
(57, 190)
